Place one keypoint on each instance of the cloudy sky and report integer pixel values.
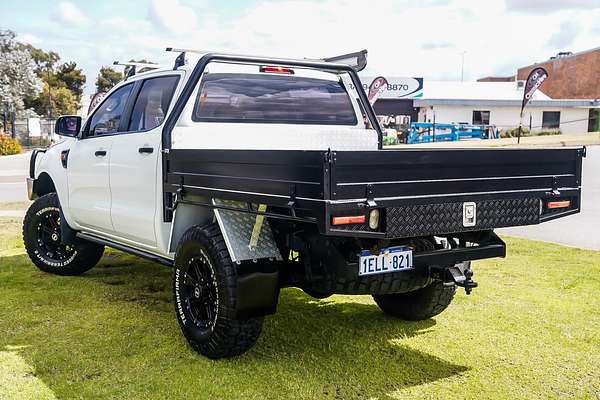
(424, 38)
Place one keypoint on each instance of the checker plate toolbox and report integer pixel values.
(425, 219)
(420, 192)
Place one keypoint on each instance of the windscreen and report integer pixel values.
(269, 98)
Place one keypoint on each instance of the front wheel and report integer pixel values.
(419, 304)
(42, 239)
(205, 295)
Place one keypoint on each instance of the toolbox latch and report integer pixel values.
(370, 194)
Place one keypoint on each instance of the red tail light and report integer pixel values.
(356, 219)
(276, 70)
(559, 204)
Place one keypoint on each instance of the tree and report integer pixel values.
(57, 101)
(72, 77)
(44, 62)
(107, 78)
(58, 79)
(17, 74)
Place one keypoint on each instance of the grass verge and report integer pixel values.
(529, 331)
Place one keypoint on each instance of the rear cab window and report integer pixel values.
(284, 98)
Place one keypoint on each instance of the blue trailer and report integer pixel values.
(427, 132)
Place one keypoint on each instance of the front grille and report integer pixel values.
(433, 219)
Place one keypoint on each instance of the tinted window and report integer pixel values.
(266, 98)
(481, 117)
(551, 119)
(152, 103)
(106, 119)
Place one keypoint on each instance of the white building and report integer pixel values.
(486, 103)
(499, 104)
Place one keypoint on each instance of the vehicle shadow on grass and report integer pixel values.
(341, 347)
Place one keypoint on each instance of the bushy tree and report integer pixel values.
(57, 101)
(58, 80)
(44, 61)
(107, 78)
(72, 77)
(18, 79)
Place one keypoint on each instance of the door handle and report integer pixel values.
(146, 150)
(100, 153)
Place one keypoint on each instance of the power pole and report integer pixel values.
(462, 67)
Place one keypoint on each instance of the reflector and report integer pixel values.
(559, 204)
(356, 219)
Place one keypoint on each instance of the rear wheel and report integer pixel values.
(205, 292)
(42, 239)
(419, 304)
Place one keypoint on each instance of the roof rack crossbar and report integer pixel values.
(133, 67)
(356, 60)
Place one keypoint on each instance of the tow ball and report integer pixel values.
(460, 275)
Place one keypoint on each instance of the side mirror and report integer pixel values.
(69, 125)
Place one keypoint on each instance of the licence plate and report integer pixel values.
(392, 259)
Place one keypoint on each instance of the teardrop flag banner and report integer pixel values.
(377, 87)
(536, 77)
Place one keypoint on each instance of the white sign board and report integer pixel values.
(397, 87)
(34, 127)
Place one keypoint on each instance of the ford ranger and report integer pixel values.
(250, 174)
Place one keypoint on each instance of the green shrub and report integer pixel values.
(8, 145)
(389, 140)
(514, 132)
(548, 132)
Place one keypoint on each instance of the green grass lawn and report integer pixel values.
(531, 330)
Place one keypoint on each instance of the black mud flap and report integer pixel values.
(258, 294)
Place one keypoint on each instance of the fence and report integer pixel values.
(34, 131)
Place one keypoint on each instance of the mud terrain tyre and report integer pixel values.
(419, 304)
(205, 295)
(41, 236)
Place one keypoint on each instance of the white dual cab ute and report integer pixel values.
(250, 174)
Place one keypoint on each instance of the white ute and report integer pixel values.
(249, 174)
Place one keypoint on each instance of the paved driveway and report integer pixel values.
(13, 171)
(580, 230)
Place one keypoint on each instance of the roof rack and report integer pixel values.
(133, 67)
(357, 60)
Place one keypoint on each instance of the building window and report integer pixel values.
(481, 117)
(594, 121)
(551, 119)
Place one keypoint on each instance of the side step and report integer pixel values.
(126, 249)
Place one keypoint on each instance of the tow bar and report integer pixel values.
(459, 274)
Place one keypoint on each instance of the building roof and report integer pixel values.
(489, 94)
(511, 78)
(555, 58)
(476, 91)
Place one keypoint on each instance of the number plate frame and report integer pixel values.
(391, 259)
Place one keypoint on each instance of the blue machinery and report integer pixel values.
(427, 132)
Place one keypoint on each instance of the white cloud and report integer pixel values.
(404, 38)
(565, 36)
(543, 6)
(172, 16)
(69, 14)
(29, 38)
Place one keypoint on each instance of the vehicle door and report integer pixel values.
(88, 163)
(135, 158)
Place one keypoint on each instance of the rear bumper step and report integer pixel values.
(492, 246)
